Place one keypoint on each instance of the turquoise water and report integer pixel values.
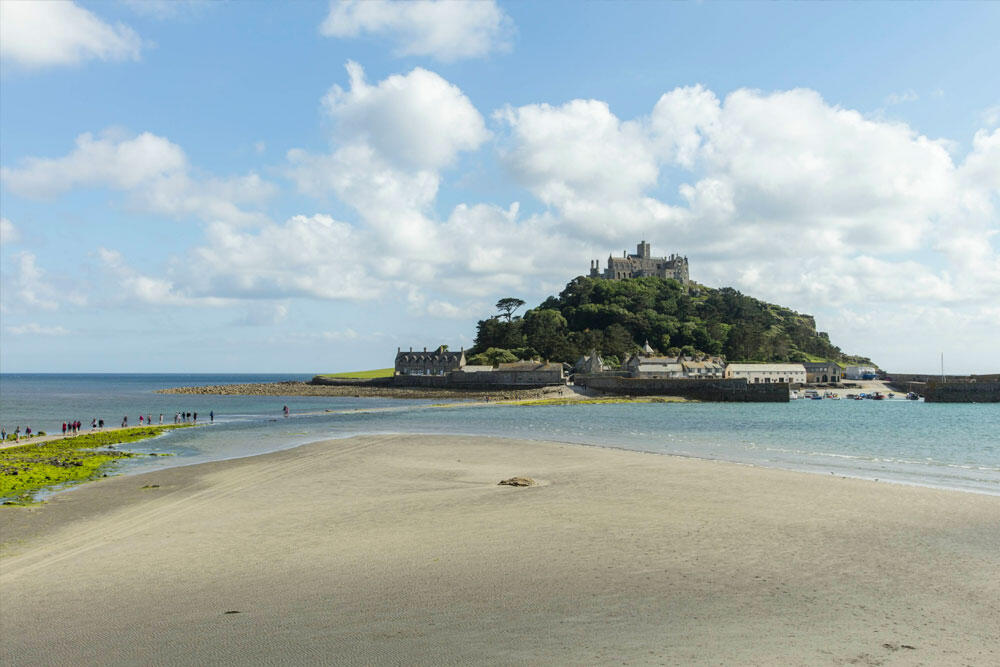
(946, 445)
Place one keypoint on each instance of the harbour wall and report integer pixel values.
(732, 390)
(962, 392)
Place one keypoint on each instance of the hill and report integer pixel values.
(618, 317)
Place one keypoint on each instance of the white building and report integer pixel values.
(698, 368)
(767, 373)
(859, 372)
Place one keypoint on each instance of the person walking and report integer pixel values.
(100, 423)
(161, 417)
(3, 434)
(285, 410)
(195, 418)
(211, 416)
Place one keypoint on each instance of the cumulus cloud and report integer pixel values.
(391, 141)
(306, 256)
(447, 30)
(40, 34)
(35, 329)
(151, 168)
(417, 120)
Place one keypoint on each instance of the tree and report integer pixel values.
(508, 305)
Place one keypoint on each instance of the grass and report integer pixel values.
(29, 468)
(362, 375)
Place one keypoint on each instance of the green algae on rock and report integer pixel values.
(29, 468)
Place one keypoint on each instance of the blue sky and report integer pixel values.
(205, 186)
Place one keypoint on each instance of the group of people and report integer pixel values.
(16, 435)
(73, 426)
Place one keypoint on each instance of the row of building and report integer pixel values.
(644, 364)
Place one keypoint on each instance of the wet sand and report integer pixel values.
(403, 549)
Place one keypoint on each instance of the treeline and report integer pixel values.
(618, 317)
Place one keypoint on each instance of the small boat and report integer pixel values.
(878, 397)
(852, 397)
(912, 396)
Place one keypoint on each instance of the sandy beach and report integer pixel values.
(404, 550)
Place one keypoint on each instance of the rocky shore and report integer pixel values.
(366, 391)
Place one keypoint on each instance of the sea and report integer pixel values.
(944, 445)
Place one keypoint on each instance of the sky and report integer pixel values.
(306, 186)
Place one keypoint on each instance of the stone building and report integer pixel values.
(589, 363)
(648, 365)
(822, 371)
(768, 373)
(435, 362)
(641, 265)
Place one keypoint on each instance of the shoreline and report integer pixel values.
(376, 546)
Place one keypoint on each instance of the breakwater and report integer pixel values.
(962, 392)
(726, 391)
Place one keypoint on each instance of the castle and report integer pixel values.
(640, 265)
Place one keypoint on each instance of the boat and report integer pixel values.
(878, 396)
(912, 396)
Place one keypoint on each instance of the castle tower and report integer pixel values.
(642, 250)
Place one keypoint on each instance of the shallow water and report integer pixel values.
(946, 445)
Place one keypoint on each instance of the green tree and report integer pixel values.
(546, 331)
(508, 305)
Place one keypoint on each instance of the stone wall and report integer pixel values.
(483, 380)
(962, 392)
(733, 390)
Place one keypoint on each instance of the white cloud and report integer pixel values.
(447, 30)
(131, 285)
(40, 34)
(417, 120)
(152, 169)
(580, 147)
(315, 256)
(28, 287)
(110, 160)
(8, 232)
(34, 329)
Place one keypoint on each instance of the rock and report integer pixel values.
(517, 481)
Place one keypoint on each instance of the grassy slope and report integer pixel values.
(26, 469)
(361, 375)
